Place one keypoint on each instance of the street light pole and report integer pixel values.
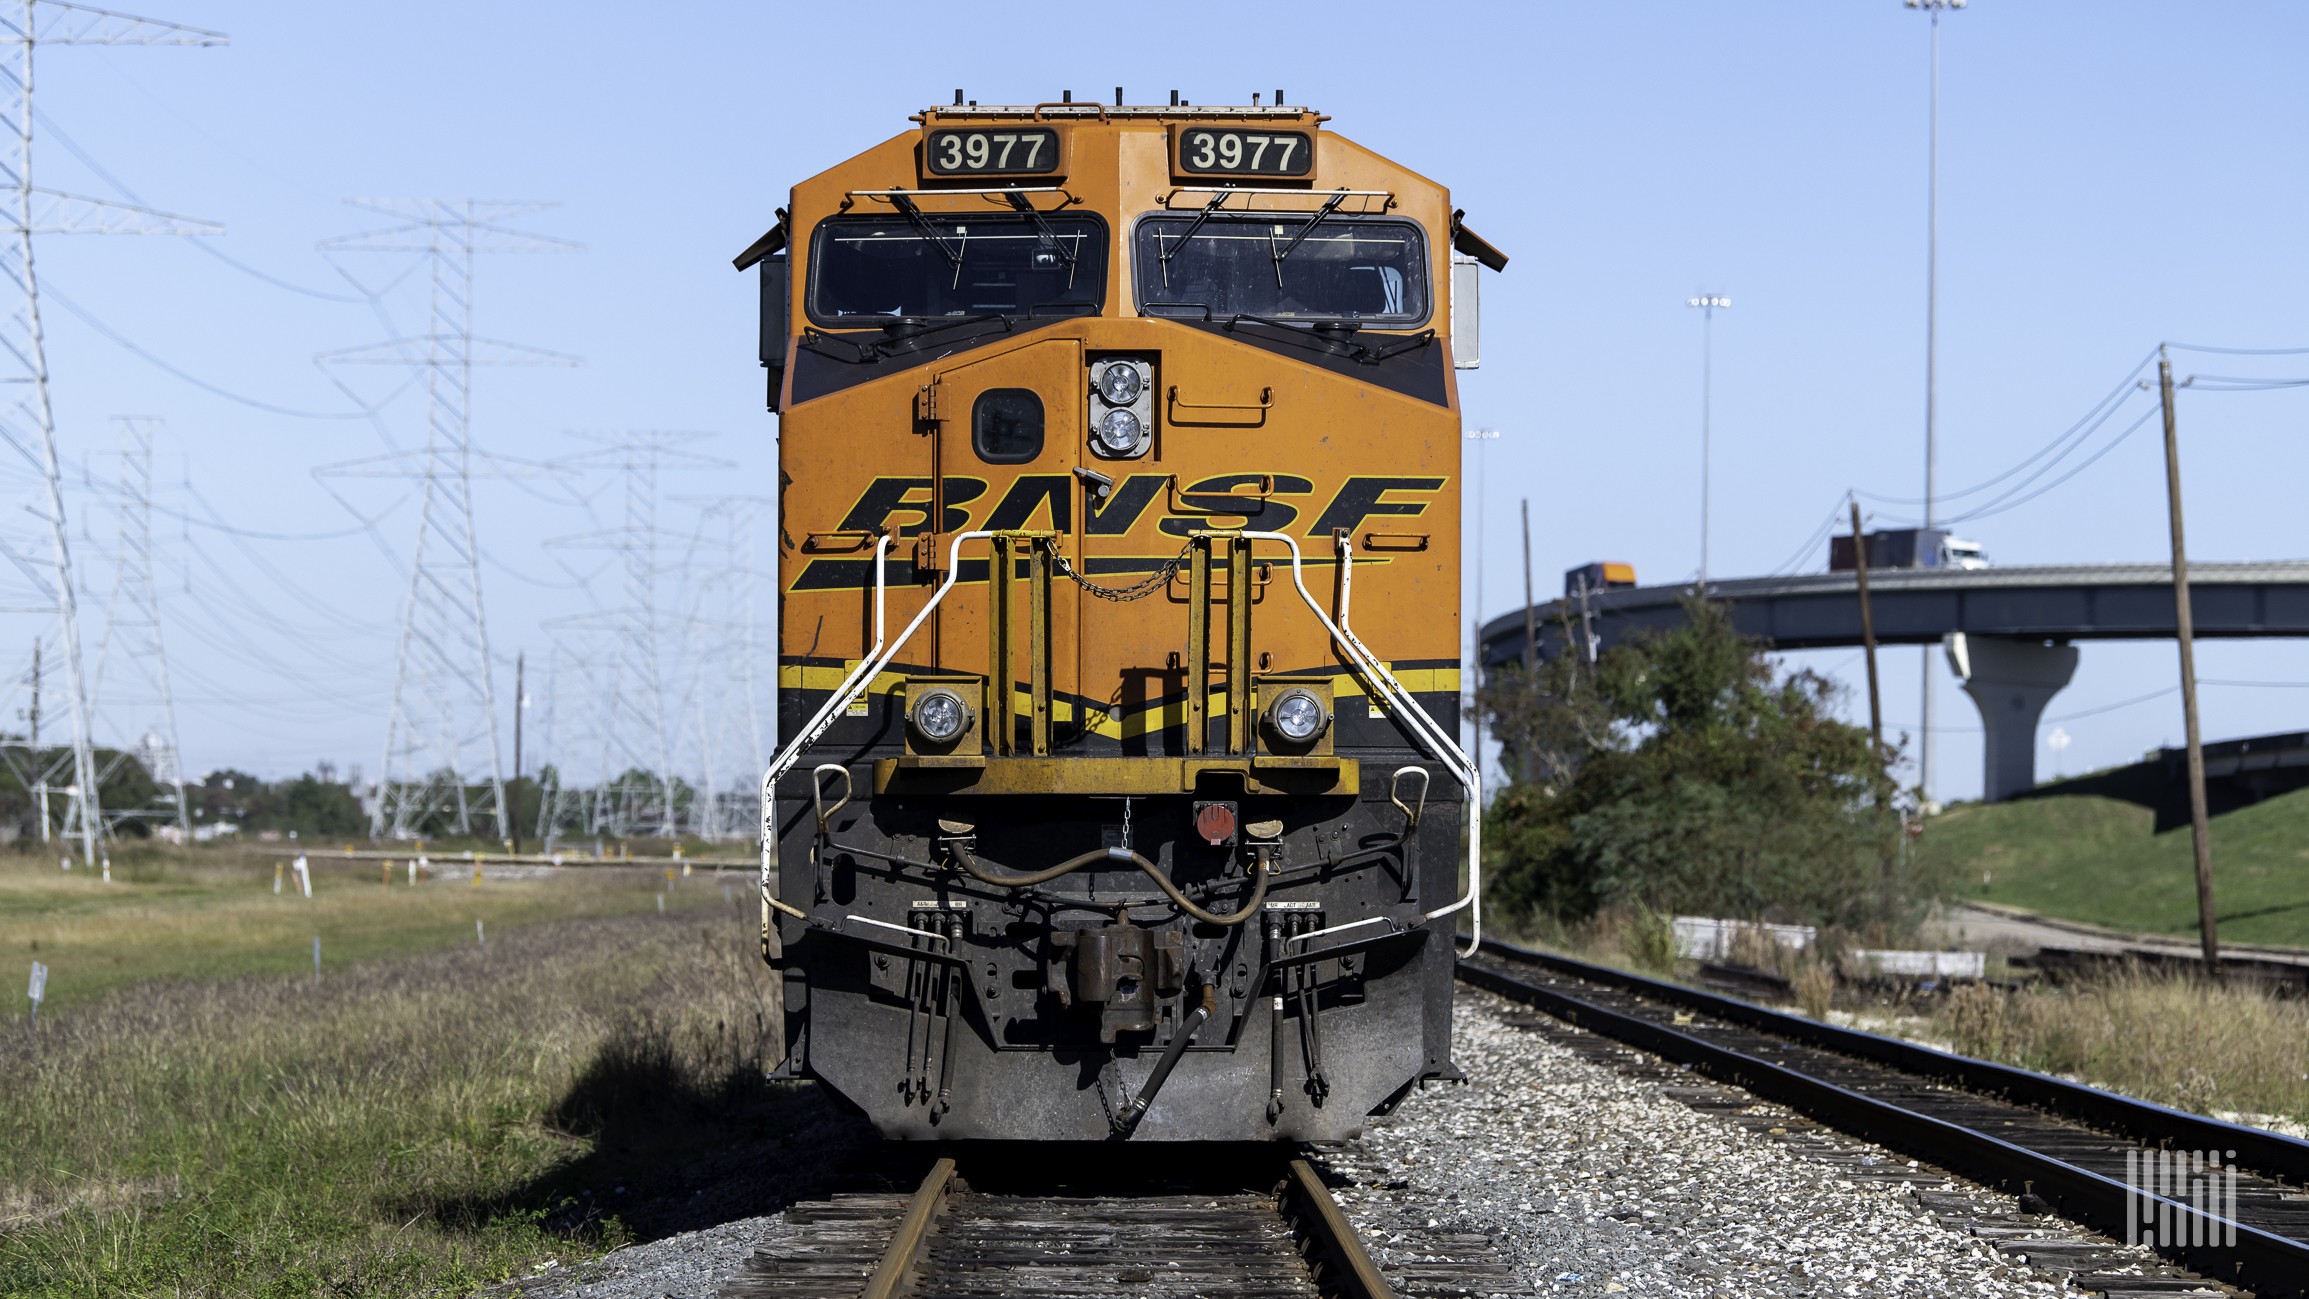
(1931, 362)
(1480, 437)
(1707, 305)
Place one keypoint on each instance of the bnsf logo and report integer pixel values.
(906, 502)
(1046, 501)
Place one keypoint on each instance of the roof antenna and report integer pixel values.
(1254, 99)
(1118, 96)
(958, 96)
(1066, 96)
(1278, 99)
(1174, 99)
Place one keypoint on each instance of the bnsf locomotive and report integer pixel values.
(1119, 625)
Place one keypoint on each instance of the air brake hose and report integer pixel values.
(1184, 903)
(1170, 1058)
(970, 864)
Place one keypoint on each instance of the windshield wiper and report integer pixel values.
(1370, 356)
(1335, 335)
(912, 213)
(1241, 316)
(874, 351)
(1166, 254)
(1330, 205)
(1049, 236)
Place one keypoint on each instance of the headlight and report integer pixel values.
(1297, 716)
(1121, 384)
(1119, 430)
(939, 716)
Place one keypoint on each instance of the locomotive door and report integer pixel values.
(1007, 436)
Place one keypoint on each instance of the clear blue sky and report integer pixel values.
(2112, 175)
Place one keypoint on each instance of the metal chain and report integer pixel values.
(1126, 594)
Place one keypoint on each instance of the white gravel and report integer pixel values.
(1595, 1182)
(691, 1265)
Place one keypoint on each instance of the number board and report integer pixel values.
(994, 151)
(1226, 151)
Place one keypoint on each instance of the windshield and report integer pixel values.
(871, 270)
(1346, 268)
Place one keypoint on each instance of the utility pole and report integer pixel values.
(1530, 626)
(1707, 305)
(1867, 633)
(1530, 618)
(40, 787)
(1931, 365)
(520, 705)
(2184, 631)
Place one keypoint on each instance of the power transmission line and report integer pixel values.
(132, 623)
(636, 696)
(23, 351)
(443, 673)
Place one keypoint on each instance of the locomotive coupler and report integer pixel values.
(1124, 970)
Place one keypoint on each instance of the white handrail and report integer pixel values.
(1374, 673)
(1380, 680)
(852, 686)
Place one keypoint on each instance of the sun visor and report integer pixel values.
(769, 245)
(1464, 240)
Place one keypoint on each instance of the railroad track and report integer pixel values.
(2088, 1155)
(1250, 1223)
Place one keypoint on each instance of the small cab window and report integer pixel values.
(1006, 425)
(867, 272)
(1373, 272)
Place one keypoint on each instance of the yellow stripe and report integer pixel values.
(1419, 681)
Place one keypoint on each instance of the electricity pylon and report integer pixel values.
(132, 622)
(719, 648)
(637, 689)
(442, 673)
(23, 351)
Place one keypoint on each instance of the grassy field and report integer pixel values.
(412, 1124)
(208, 914)
(2101, 860)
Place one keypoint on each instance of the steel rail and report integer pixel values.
(2272, 1265)
(890, 1275)
(1353, 1273)
(2269, 1153)
(1333, 1253)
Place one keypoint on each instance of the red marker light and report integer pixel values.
(1215, 822)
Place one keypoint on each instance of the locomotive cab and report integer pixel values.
(1118, 631)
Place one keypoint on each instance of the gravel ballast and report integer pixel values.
(1589, 1178)
(1597, 1182)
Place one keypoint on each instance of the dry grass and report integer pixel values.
(2178, 1041)
(415, 1125)
(212, 913)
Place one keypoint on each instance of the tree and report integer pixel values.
(1684, 771)
(317, 807)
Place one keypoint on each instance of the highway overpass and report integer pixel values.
(2018, 625)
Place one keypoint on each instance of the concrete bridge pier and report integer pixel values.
(2010, 681)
